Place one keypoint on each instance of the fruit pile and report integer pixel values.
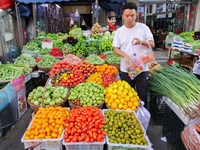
(120, 95)
(67, 77)
(86, 68)
(89, 94)
(107, 69)
(85, 125)
(48, 123)
(102, 79)
(60, 65)
(52, 96)
(123, 128)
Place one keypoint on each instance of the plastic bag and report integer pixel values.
(143, 115)
(134, 66)
(190, 137)
(148, 56)
(196, 68)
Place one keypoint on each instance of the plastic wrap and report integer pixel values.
(190, 137)
(135, 66)
(8, 106)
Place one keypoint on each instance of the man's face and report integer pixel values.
(112, 20)
(129, 17)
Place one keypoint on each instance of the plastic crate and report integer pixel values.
(172, 128)
(47, 144)
(83, 145)
(114, 146)
(157, 109)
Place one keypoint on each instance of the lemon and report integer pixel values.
(121, 100)
(117, 101)
(135, 93)
(130, 94)
(136, 103)
(133, 107)
(114, 105)
(119, 92)
(130, 104)
(114, 91)
(120, 106)
(125, 107)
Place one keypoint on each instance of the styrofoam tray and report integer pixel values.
(137, 147)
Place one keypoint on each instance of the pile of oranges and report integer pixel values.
(107, 69)
(48, 123)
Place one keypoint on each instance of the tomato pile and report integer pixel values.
(85, 124)
(60, 65)
(86, 68)
(107, 79)
(66, 77)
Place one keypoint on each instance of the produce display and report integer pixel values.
(47, 62)
(52, 95)
(86, 68)
(12, 71)
(96, 29)
(153, 67)
(120, 95)
(76, 32)
(107, 69)
(31, 46)
(105, 45)
(44, 51)
(25, 59)
(48, 123)
(94, 59)
(124, 128)
(102, 79)
(85, 125)
(60, 65)
(89, 94)
(56, 52)
(113, 59)
(67, 77)
(72, 59)
(181, 87)
(67, 49)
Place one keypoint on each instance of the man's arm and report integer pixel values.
(121, 54)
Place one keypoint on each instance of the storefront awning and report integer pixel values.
(6, 4)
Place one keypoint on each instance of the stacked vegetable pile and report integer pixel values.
(180, 86)
(86, 68)
(87, 94)
(47, 62)
(52, 96)
(102, 79)
(48, 123)
(107, 69)
(84, 125)
(60, 65)
(56, 52)
(67, 77)
(123, 128)
(25, 59)
(94, 59)
(120, 95)
(12, 71)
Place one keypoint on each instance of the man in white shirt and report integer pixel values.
(133, 37)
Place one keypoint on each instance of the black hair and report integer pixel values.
(129, 5)
(111, 15)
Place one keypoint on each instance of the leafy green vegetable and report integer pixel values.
(25, 59)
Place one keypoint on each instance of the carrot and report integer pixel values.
(197, 128)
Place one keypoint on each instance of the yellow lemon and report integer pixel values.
(136, 103)
(119, 92)
(130, 94)
(122, 100)
(114, 105)
(125, 107)
(130, 104)
(117, 101)
(120, 106)
(135, 93)
(133, 107)
(127, 98)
